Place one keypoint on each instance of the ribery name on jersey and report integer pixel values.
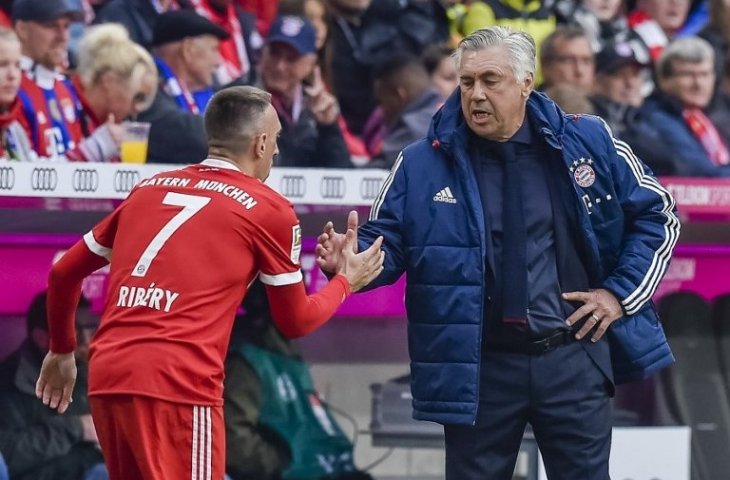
(152, 297)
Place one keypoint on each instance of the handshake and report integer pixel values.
(337, 254)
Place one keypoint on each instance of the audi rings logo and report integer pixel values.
(332, 187)
(293, 186)
(125, 180)
(43, 179)
(7, 178)
(370, 187)
(85, 180)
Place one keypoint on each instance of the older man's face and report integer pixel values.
(492, 100)
(573, 64)
(46, 42)
(691, 83)
(623, 85)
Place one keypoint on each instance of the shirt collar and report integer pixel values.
(524, 133)
(214, 162)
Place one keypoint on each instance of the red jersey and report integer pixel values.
(184, 247)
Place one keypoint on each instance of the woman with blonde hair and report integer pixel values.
(115, 79)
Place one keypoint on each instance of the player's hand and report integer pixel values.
(330, 245)
(600, 306)
(56, 380)
(364, 267)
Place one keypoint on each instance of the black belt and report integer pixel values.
(532, 346)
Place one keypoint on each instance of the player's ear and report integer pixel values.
(260, 145)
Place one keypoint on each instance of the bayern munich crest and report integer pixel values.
(583, 172)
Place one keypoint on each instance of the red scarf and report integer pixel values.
(704, 131)
(233, 50)
(650, 32)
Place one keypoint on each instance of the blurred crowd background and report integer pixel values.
(352, 80)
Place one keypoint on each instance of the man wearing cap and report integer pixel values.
(186, 53)
(621, 72)
(310, 136)
(43, 29)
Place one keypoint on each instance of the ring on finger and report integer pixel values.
(595, 318)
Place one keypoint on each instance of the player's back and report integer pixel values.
(184, 246)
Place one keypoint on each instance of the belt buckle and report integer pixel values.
(548, 344)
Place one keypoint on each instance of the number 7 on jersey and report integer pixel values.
(191, 204)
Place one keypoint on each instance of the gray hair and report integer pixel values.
(686, 49)
(520, 48)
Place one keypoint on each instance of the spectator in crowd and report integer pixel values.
(115, 79)
(137, 16)
(717, 32)
(239, 51)
(316, 12)
(604, 21)
(274, 433)
(535, 17)
(440, 66)
(156, 373)
(617, 98)
(37, 443)
(658, 21)
(567, 58)
(311, 136)
(526, 297)
(365, 33)
(43, 29)
(685, 75)
(186, 48)
(408, 99)
(15, 132)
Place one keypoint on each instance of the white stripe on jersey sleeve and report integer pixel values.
(281, 279)
(96, 247)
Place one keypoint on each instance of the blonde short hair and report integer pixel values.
(108, 48)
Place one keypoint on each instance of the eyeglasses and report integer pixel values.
(700, 74)
(583, 61)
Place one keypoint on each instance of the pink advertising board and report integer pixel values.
(26, 259)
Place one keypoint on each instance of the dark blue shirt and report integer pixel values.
(545, 312)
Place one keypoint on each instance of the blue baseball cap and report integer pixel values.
(294, 31)
(46, 10)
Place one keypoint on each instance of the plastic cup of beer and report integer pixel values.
(134, 142)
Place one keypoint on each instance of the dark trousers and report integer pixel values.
(561, 393)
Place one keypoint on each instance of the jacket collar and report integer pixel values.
(449, 130)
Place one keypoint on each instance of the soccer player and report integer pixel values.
(184, 247)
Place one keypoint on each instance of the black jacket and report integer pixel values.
(137, 16)
(175, 136)
(37, 443)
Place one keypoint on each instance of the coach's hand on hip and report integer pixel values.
(600, 306)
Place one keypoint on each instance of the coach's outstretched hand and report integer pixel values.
(56, 380)
(359, 268)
